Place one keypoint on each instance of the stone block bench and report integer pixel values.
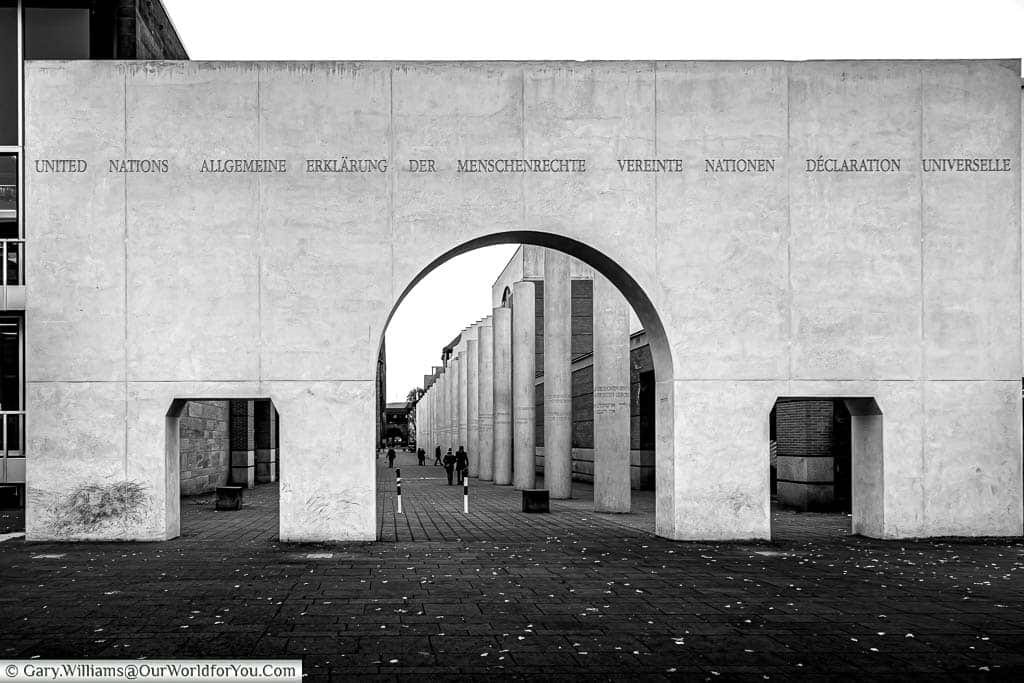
(536, 500)
(229, 497)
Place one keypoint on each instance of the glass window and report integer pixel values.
(8, 182)
(10, 364)
(8, 195)
(53, 32)
(12, 261)
(10, 67)
(11, 398)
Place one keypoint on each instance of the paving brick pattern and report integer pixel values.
(433, 511)
(541, 596)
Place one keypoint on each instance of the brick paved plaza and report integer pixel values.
(500, 592)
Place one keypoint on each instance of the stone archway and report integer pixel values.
(634, 295)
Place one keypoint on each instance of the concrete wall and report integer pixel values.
(902, 286)
(641, 467)
(204, 446)
(512, 273)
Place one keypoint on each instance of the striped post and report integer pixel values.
(398, 484)
(465, 494)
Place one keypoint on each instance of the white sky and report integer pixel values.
(455, 294)
(574, 29)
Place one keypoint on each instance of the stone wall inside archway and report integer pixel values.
(810, 229)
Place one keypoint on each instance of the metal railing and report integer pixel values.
(12, 271)
(12, 447)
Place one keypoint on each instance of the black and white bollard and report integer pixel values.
(398, 485)
(465, 494)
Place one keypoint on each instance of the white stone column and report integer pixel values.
(439, 417)
(421, 418)
(502, 337)
(463, 394)
(453, 416)
(446, 408)
(472, 413)
(439, 412)
(435, 411)
(434, 393)
(524, 363)
(446, 414)
(428, 444)
(557, 375)
(611, 398)
(442, 407)
(485, 400)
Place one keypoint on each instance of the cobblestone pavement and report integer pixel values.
(541, 596)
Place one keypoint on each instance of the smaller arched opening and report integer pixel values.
(825, 467)
(224, 465)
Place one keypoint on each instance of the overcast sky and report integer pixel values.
(458, 292)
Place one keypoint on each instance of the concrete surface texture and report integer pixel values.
(557, 375)
(611, 399)
(453, 397)
(831, 263)
(485, 399)
(502, 395)
(472, 407)
(524, 361)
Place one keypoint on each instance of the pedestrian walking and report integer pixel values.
(421, 455)
(391, 458)
(449, 465)
(437, 455)
(461, 464)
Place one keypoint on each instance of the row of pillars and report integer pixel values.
(252, 433)
(483, 398)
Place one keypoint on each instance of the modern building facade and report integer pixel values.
(217, 439)
(50, 30)
(847, 231)
(398, 428)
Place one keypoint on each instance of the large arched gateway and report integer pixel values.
(832, 229)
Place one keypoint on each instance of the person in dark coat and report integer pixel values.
(437, 455)
(461, 464)
(449, 465)
(421, 455)
(391, 458)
